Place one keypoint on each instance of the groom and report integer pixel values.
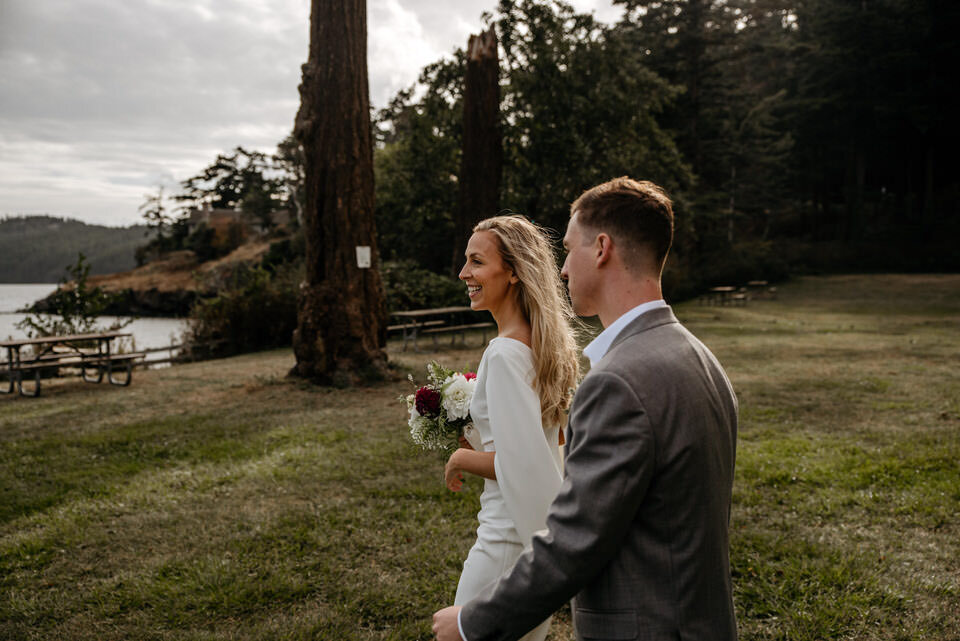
(638, 533)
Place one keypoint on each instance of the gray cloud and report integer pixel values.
(100, 101)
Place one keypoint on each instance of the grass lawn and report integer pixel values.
(220, 500)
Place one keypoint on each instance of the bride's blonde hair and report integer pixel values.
(526, 251)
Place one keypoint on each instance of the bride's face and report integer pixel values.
(489, 281)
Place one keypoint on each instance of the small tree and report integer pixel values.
(245, 180)
(155, 214)
(75, 305)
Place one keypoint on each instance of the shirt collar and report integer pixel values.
(598, 347)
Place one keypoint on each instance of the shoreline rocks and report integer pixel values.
(170, 285)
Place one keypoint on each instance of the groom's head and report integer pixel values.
(636, 214)
(623, 226)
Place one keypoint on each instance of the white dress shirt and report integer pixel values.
(598, 347)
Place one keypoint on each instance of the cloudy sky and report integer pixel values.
(103, 100)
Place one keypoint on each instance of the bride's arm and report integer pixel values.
(468, 460)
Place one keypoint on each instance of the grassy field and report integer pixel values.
(220, 500)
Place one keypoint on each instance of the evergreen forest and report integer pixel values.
(38, 249)
(793, 135)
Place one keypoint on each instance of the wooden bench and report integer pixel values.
(454, 330)
(410, 326)
(440, 320)
(105, 365)
(100, 363)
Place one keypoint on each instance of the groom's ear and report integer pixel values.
(603, 249)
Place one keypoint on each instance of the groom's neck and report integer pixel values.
(623, 294)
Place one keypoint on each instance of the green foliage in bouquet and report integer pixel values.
(440, 410)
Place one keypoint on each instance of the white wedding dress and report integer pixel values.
(506, 419)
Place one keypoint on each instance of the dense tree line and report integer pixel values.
(793, 134)
(39, 249)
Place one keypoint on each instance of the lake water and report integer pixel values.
(147, 332)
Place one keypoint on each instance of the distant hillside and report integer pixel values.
(37, 249)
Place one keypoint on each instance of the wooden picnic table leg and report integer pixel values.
(91, 379)
(11, 376)
(416, 332)
(36, 379)
(97, 365)
(36, 384)
(124, 382)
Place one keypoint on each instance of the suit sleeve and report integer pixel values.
(609, 465)
(527, 472)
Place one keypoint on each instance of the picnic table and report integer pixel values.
(91, 353)
(761, 289)
(720, 295)
(729, 295)
(432, 322)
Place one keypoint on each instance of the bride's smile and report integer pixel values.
(490, 282)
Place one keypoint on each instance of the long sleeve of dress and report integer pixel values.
(527, 471)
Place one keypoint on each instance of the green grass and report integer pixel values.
(221, 500)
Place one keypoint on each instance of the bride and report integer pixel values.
(523, 386)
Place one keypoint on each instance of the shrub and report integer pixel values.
(257, 310)
(258, 307)
(284, 251)
(409, 286)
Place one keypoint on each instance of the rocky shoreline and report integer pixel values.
(170, 285)
(143, 303)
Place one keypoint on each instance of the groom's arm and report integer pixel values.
(608, 469)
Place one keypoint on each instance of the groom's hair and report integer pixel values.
(637, 214)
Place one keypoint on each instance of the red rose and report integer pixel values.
(469, 376)
(428, 402)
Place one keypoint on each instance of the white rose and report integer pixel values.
(457, 394)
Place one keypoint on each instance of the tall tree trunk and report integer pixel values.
(341, 319)
(482, 160)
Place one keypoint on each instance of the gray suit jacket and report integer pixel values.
(638, 533)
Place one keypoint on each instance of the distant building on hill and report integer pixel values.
(221, 219)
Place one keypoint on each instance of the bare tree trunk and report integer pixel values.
(341, 319)
(482, 160)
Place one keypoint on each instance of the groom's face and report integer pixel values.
(579, 267)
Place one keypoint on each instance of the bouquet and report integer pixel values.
(440, 410)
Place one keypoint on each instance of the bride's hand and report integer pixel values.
(452, 476)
